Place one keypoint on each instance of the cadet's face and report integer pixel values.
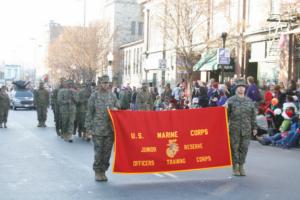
(105, 85)
(240, 90)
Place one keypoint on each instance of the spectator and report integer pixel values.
(252, 91)
(158, 103)
(262, 123)
(292, 88)
(177, 93)
(284, 128)
(289, 103)
(223, 98)
(215, 95)
(166, 95)
(280, 95)
(196, 95)
(203, 98)
(232, 86)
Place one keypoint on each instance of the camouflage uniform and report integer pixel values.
(98, 122)
(55, 108)
(67, 109)
(41, 101)
(125, 98)
(81, 108)
(144, 99)
(4, 107)
(242, 121)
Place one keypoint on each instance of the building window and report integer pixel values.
(141, 50)
(141, 28)
(9, 74)
(137, 60)
(275, 6)
(133, 28)
(134, 63)
(154, 79)
(125, 62)
(129, 62)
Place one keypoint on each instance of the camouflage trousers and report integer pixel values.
(3, 115)
(102, 149)
(57, 119)
(41, 113)
(67, 124)
(80, 121)
(239, 147)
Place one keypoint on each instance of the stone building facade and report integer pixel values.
(126, 25)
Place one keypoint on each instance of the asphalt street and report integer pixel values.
(37, 165)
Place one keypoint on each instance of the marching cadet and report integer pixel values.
(241, 116)
(125, 98)
(55, 107)
(4, 107)
(41, 101)
(82, 98)
(76, 87)
(144, 98)
(99, 124)
(67, 109)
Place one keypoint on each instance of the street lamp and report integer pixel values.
(146, 72)
(223, 36)
(110, 58)
(73, 67)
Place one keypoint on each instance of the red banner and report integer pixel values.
(179, 140)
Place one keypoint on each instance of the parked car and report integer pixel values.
(21, 99)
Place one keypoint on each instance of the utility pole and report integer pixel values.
(223, 36)
(83, 67)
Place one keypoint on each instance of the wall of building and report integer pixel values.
(12, 72)
(121, 14)
(2, 80)
(252, 38)
(133, 71)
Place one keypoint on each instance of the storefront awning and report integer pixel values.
(208, 62)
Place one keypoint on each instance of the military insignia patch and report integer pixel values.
(172, 149)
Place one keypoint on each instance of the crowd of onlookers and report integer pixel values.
(277, 105)
(278, 116)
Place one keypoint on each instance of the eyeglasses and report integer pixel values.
(105, 82)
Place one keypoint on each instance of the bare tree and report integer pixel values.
(80, 52)
(186, 27)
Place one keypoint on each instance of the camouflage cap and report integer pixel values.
(68, 82)
(104, 79)
(240, 82)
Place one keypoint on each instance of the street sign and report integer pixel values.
(223, 56)
(162, 63)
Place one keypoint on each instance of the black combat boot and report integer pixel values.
(1, 125)
(4, 125)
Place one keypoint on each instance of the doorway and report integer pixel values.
(252, 70)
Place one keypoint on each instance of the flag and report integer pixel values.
(168, 141)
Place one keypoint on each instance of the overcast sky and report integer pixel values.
(24, 25)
